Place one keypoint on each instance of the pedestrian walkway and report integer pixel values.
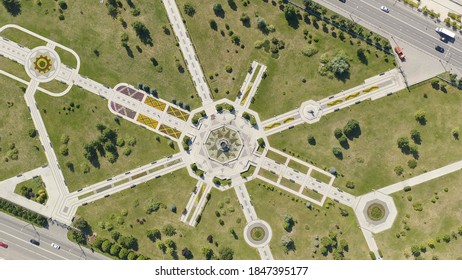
(311, 111)
(250, 85)
(427, 176)
(187, 48)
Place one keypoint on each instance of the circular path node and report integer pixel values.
(310, 111)
(258, 233)
(376, 211)
(42, 64)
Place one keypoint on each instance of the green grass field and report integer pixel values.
(113, 65)
(370, 159)
(285, 74)
(435, 220)
(271, 206)
(80, 125)
(172, 189)
(15, 123)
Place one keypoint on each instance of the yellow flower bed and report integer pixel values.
(371, 89)
(354, 95)
(288, 120)
(335, 102)
(272, 126)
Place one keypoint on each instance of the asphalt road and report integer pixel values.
(17, 235)
(402, 24)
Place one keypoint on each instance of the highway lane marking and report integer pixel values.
(30, 251)
(15, 229)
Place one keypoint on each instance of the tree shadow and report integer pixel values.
(363, 58)
(232, 5)
(345, 144)
(293, 22)
(129, 51)
(221, 13)
(13, 7)
(343, 77)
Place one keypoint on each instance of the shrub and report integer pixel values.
(420, 117)
(310, 51)
(412, 163)
(399, 170)
(169, 230)
(311, 140)
(189, 9)
(455, 133)
(350, 185)
(338, 133)
(337, 152)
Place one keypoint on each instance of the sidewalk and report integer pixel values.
(443, 6)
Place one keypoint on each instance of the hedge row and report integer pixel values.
(23, 213)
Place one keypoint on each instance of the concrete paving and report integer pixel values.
(187, 48)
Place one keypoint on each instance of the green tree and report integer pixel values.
(261, 24)
(82, 224)
(338, 133)
(399, 170)
(128, 242)
(311, 140)
(213, 24)
(245, 19)
(142, 32)
(189, 9)
(153, 234)
(207, 253)
(352, 129)
(124, 39)
(123, 253)
(420, 117)
(115, 235)
(350, 184)
(290, 13)
(226, 253)
(339, 64)
(288, 243)
(415, 136)
(106, 246)
(455, 133)
(169, 230)
(403, 144)
(115, 249)
(337, 152)
(12, 6)
(218, 10)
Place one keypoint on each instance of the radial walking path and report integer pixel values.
(189, 53)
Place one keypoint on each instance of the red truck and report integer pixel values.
(399, 52)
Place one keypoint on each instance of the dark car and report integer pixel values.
(444, 39)
(440, 49)
(35, 242)
(343, 1)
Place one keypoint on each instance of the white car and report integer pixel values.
(385, 9)
(56, 246)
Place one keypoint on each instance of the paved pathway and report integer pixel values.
(372, 88)
(450, 168)
(251, 217)
(250, 85)
(187, 48)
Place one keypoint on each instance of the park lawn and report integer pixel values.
(370, 159)
(284, 82)
(298, 166)
(271, 206)
(436, 219)
(54, 86)
(113, 65)
(13, 68)
(80, 125)
(171, 189)
(15, 123)
(320, 176)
